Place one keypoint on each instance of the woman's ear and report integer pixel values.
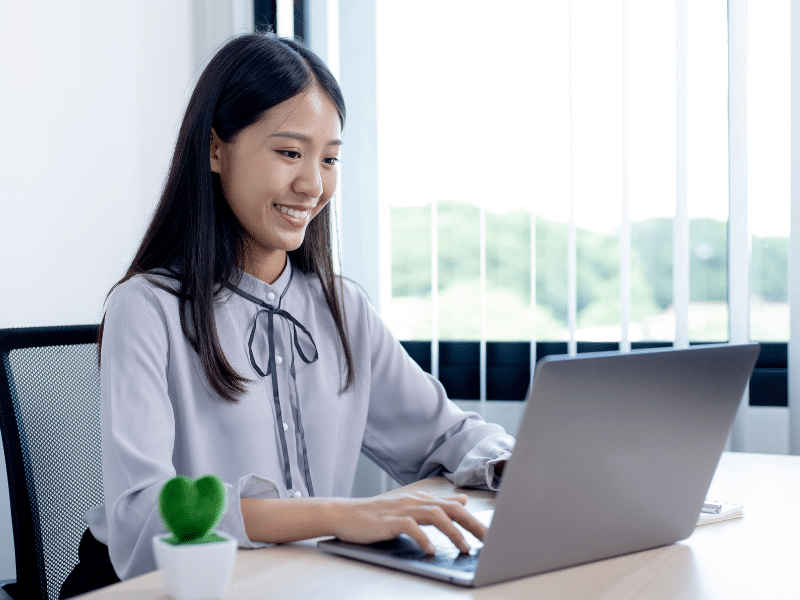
(214, 152)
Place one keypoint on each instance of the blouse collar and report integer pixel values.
(260, 289)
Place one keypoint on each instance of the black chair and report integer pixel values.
(50, 423)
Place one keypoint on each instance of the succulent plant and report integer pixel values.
(192, 508)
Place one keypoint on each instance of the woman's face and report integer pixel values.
(278, 174)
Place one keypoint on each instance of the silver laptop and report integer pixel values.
(615, 454)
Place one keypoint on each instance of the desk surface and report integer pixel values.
(745, 558)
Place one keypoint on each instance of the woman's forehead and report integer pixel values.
(311, 111)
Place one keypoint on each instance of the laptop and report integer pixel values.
(615, 454)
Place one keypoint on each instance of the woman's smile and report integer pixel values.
(294, 215)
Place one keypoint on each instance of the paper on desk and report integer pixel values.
(730, 510)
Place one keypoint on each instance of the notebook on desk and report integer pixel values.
(615, 454)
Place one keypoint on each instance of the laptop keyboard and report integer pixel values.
(444, 557)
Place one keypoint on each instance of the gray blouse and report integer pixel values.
(292, 434)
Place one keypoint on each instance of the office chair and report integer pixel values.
(50, 424)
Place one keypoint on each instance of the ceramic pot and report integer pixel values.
(196, 571)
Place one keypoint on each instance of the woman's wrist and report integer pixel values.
(281, 520)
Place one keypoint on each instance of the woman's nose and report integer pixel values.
(309, 181)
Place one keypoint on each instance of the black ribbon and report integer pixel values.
(272, 312)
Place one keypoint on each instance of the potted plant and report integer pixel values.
(195, 560)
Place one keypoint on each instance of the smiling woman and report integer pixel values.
(232, 348)
(297, 143)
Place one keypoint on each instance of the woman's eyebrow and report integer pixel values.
(303, 138)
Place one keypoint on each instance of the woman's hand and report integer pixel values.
(375, 519)
(361, 520)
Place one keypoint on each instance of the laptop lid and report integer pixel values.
(615, 454)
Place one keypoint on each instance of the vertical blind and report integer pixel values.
(794, 236)
(739, 236)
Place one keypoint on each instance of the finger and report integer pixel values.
(454, 507)
(410, 527)
(425, 496)
(461, 498)
(436, 516)
(459, 514)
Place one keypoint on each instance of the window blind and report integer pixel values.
(685, 249)
(738, 237)
(794, 236)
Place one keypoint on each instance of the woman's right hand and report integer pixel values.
(367, 520)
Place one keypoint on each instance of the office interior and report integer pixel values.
(578, 135)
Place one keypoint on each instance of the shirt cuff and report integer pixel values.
(492, 479)
(473, 471)
(249, 486)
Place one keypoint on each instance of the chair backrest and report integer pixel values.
(50, 423)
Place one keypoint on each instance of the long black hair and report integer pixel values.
(193, 222)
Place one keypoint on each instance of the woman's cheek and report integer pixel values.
(329, 185)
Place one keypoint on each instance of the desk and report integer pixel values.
(753, 557)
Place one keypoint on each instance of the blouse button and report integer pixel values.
(278, 360)
(285, 427)
(297, 495)
(271, 296)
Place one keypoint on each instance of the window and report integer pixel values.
(553, 139)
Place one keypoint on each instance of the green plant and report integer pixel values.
(192, 508)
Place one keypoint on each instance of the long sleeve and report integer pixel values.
(413, 430)
(139, 433)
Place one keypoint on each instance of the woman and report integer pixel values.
(230, 346)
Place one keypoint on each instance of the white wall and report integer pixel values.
(92, 96)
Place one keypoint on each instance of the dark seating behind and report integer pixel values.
(50, 423)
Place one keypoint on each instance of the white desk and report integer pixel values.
(752, 557)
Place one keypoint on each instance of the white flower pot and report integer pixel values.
(196, 571)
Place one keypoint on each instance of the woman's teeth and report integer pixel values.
(292, 212)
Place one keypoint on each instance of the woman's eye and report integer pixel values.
(293, 154)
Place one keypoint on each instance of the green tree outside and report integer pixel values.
(508, 272)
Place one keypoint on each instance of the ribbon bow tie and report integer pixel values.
(272, 312)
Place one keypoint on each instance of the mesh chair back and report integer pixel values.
(50, 423)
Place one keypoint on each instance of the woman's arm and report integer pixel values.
(360, 520)
(413, 430)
